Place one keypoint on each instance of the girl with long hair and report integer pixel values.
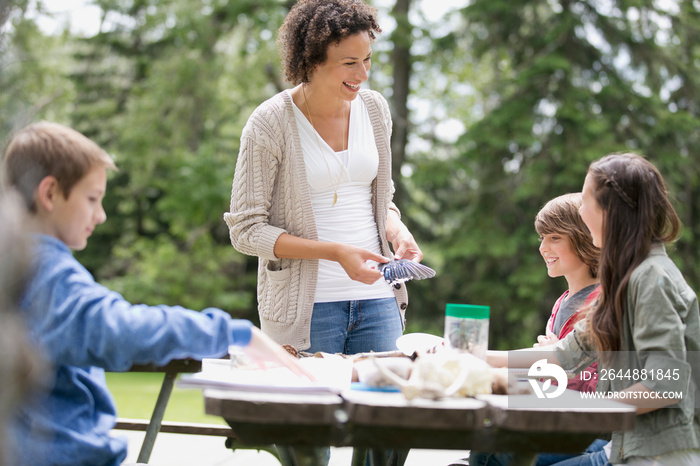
(644, 330)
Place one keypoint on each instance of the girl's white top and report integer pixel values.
(350, 220)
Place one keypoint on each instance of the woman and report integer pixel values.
(312, 190)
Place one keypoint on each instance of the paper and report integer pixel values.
(333, 375)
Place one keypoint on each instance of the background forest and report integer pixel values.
(498, 106)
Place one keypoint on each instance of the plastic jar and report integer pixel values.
(467, 328)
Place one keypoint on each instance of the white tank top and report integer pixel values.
(351, 219)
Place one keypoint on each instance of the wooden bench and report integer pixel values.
(170, 427)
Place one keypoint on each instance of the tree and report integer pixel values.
(166, 88)
(401, 60)
(32, 71)
(572, 82)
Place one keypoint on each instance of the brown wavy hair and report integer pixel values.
(561, 216)
(637, 212)
(312, 25)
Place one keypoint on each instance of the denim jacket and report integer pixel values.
(82, 328)
(661, 331)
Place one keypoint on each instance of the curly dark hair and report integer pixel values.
(312, 25)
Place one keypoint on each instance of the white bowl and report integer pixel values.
(412, 342)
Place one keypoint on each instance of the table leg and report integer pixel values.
(378, 457)
(359, 456)
(157, 417)
(285, 455)
(397, 458)
(302, 456)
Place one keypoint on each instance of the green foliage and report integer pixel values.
(33, 69)
(162, 271)
(174, 131)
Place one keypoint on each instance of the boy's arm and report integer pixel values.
(81, 323)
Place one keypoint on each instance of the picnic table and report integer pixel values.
(375, 422)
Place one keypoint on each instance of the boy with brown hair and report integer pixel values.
(81, 327)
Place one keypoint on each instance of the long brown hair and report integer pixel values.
(636, 213)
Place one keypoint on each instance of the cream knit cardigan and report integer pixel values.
(271, 196)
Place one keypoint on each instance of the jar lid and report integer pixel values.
(467, 311)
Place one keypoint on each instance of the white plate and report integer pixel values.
(412, 342)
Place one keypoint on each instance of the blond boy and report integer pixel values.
(81, 327)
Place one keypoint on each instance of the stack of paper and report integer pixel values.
(332, 373)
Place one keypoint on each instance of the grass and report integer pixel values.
(136, 394)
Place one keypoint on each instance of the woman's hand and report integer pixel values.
(351, 258)
(545, 340)
(402, 241)
(354, 262)
(497, 358)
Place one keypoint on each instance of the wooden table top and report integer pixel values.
(388, 420)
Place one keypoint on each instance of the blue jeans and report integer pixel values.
(351, 327)
(592, 456)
